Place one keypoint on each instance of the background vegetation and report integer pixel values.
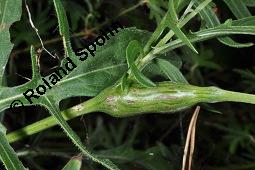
(225, 132)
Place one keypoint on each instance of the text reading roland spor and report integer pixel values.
(70, 65)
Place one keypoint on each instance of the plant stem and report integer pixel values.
(166, 97)
(183, 22)
(151, 55)
(78, 110)
(230, 96)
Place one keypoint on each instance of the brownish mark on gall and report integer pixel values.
(130, 101)
(165, 97)
(110, 99)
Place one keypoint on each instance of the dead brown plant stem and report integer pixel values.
(190, 141)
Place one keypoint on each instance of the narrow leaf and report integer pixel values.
(176, 3)
(238, 8)
(124, 82)
(73, 164)
(250, 3)
(55, 112)
(89, 77)
(248, 21)
(171, 71)
(141, 78)
(64, 29)
(207, 34)
(172, 10)
(178, 32)
(212, 20)
(35, 64)
(172, 20)
(134, 48)
(7, 154)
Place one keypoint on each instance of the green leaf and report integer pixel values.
(124, 82)
(172, 23)
(75, 15)
(238, 8)
(208, 34)
(184, 20)
(73, 164)
(104, 69)
(176, 3)
(172, 10)
(153, 71)
(156, 9)
(35, 64)
(64, 29)
(141, 78)
(151, 159)
(52, 106)
(248, 21)
(90, 77)
(212, 20)
(204, 59)
(171, 71)
(156, 34)
(134, 48)
(10, 11)
(7, 154)
(250, 3)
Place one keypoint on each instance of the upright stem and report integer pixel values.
(78, 110)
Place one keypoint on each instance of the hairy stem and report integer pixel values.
(78, 110)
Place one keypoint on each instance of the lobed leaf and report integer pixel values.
(89, 77)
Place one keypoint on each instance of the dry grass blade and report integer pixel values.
(190, 140)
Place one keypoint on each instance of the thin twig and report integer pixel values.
(84, 33)
(36, 30)
(23, 77)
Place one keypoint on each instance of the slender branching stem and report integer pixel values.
(143, 61)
